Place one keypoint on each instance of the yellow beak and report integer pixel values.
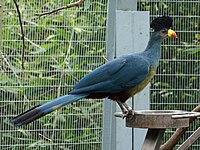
(172, 33)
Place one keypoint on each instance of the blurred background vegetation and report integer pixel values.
(63, 47)
(60, 49)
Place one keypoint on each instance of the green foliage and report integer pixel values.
(60, 49)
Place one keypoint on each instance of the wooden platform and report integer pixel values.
(157, 121)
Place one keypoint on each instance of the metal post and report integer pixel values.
(109, 128)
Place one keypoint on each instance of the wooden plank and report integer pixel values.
(193, 138)
(153, 139)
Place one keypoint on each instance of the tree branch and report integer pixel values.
(22, 32)
(173, 140)
(74, 4)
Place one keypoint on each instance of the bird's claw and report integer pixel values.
(125, 114)
(128, 113)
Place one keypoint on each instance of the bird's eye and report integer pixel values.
(164, 31)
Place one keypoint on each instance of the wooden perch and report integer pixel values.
(74, 4)
(173, 140)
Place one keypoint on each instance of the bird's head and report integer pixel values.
(163, 26)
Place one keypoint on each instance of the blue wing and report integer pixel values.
(115, 76)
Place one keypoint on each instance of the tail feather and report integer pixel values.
(41, 110)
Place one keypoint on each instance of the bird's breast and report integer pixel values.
(132, 91)
(124, 95)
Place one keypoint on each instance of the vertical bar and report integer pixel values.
(110, 32)
(124, 136)
(109, 128)
(115, 135)
(130, 29)
(124, 44)
(141, 100)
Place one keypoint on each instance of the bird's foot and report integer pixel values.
(128, 113)
(125, 114)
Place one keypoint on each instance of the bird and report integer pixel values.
(117, 80)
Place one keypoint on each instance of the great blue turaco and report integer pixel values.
(117, 80)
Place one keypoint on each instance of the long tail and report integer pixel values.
(44, 109)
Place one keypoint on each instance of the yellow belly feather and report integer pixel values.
(142, 84)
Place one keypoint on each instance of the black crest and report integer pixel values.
(161, 22)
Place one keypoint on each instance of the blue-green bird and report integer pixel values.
(118, 79)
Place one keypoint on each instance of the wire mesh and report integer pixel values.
(60, 49)
(63, 47)
(176, 84)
